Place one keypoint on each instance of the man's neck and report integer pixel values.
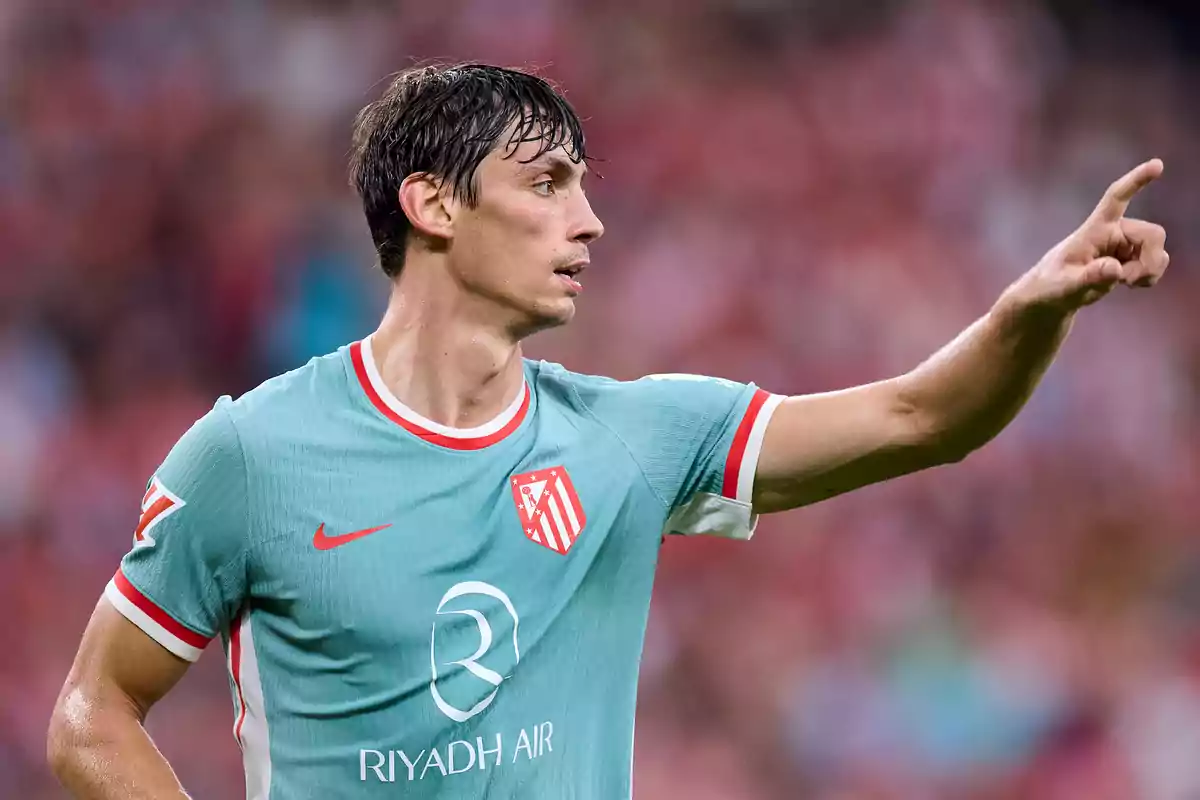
(453, 371)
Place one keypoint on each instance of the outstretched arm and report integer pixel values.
(97, 746)
(818, 446)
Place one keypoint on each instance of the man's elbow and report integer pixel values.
(939, 447)
(933, 442)
(67, 737)
(60, 744)
(938, 437)
(62, 739)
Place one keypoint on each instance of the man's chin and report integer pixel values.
(551, 314)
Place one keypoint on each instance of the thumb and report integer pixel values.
(1095, 280)
(1100, 273)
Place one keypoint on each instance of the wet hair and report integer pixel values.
(443, 121)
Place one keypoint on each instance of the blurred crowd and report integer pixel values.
(807, 195)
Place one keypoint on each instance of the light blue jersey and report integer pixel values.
(410, 610)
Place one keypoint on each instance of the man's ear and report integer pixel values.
(427, 209)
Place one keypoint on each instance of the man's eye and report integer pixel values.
(545, 187)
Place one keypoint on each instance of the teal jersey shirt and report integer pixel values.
(410, 610)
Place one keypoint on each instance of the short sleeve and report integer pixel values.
(185, 577)
(697, 439)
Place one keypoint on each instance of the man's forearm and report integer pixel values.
(103, 754)
(970, 389)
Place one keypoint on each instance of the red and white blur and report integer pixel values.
(807, 195)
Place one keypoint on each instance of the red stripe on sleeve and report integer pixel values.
(737, 450)
(185, 635)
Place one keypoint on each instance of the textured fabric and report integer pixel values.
(189, 555)
(412, 611)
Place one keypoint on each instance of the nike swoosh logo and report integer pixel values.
(323, 542)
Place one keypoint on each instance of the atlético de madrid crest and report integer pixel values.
(549, 508)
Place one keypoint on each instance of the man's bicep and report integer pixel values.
(118, 663)
(820, 445)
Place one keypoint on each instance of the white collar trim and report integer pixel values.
(404, 412)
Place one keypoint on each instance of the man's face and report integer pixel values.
(532, 225)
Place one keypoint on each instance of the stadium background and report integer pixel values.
(809, 195)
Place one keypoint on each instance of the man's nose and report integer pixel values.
(589, 228)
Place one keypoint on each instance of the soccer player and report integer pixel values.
(429, 559)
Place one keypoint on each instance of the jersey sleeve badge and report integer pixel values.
(158, 503)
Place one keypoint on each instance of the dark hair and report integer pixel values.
(443, 121)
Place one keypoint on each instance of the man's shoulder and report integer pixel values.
(579, 391)
(553, 373)
(602, 392)
(298, 397)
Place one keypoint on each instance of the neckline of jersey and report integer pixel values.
(391, 407)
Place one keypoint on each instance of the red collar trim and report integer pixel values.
(455, 438)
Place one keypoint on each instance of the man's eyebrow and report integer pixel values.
(555, 162)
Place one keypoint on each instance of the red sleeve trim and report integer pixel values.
(737, 451)
(186, 635)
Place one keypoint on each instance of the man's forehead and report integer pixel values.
(532, 154)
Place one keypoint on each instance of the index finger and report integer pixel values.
(1112, 206)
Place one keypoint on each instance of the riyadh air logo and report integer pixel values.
(549, 508)
(470, 664)
(158, 503)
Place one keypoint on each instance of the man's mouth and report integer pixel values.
(571, 270)
(570, 276)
